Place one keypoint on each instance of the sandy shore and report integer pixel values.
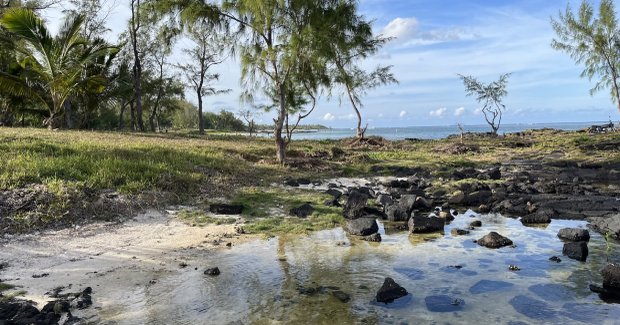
(114, 259)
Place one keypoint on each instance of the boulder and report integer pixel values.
(422, 203)
(362, 226)
(302, 211)
(611, 276)
(390, 291)
(336, 194)
(457, 197)
(494, 240)
(606, 225)
(407, 202)
(227, 209)
(536, 218)
(304, 181)
(384, 200)
(354, 208)
(373, 212)
(395, 212)
(421, 224)
(574, 234)
(399, 183)
(493, 173)
(576, 250)
(478, 198)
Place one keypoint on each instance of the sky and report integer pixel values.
(434, 41)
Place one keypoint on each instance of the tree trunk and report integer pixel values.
(68, 108)
(201, 120)
(133, 115)
(137, 67)
(280, 143)
(120, 116)
(360, 132)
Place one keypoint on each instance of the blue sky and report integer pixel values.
(434, 41)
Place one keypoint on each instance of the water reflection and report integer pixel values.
(313, 280)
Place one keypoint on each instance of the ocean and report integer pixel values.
(434, 132)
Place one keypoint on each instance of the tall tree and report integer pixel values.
(490, 95)
(134, 28)
(54, 68)
(592, 41)
(207, 52)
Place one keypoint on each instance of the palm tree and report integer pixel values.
(54, 68)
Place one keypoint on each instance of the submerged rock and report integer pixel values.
(532, 308)
(443, 304)
(341, 295)
(555, 259)
(390, 291)
(459, 232)
(362, 226)
(420, 224)
(574, 234)
(576, 250)
(303, 210)
(494, 240)
(484, 286)
(212, 271)
(226, 209)
(376, 237)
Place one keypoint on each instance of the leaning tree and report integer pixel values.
(490, 96)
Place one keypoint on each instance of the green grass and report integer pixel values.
(5, 286)
(194, 169)
(202, 218)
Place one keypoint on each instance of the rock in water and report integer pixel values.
(476, 224)
(536, 218)
(611, 276)
(574, 234)
(494, 240)
(577, 250)
(212, 271)
(341, 295)
(395, 212)
(302, 211)
(420, 224)
(362, 226)
(354, 208)
(390, 291)
(373, 238)
(459, 232)
(226, 208)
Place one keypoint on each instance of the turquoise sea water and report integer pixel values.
(434, 132)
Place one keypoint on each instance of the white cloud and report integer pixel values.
(459, 111)
(401, 28)
(329, 117)
(402, 114)
(438, 112)
(380, 115)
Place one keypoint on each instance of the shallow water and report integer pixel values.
(292, 280)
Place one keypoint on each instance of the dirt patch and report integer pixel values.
(369, 142)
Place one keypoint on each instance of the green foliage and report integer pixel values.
(54, 68)
(490, 95)
(592, 41)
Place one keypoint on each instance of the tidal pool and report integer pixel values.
(316, 279)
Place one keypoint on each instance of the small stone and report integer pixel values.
(555, 259)
(212, 271)
(494, 240)
(459, 232)
(475, 224)
(376, 237)
(341, 295)
(513, 268)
